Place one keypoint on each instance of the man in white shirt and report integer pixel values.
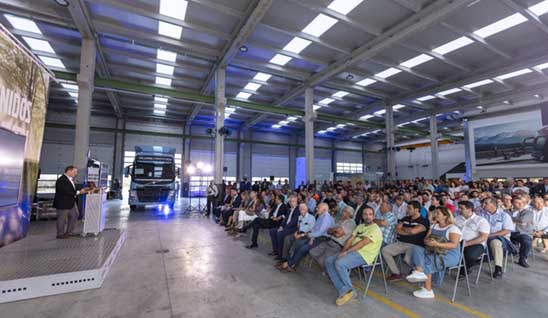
(475, 231)
(212, 193)
(400, 208)
(520, 187)
(530, 222)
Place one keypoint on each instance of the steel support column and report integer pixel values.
(220, 103)
(390, 149)
(434, 147)
(309, 118)
(293, 160)
(83, 113)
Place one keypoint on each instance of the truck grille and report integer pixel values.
(152, 195)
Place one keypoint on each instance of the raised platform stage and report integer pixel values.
(40, 265)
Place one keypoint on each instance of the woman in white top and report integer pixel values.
(444, 235)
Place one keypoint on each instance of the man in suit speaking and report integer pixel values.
(65, 202)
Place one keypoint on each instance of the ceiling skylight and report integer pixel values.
(321, 132)
(425, 98)
(417, 60)
(478, 84)
(160, 99)
(52, 61)
(170, 30)
(398, 106)
(340, 94)
(166, 55)
(542, 66)
(243, 95)
(283, 122)
(331, 129)
(296, 45)
(501, 25)
(262, 77)
(159, 112)
(387, 73)
(39, 45)
(366, 117)
(316, 107)
(344, 6)
(540, 8)
(280, 59)
(276, 126)
(164, 69)
(292, 118)
(326, 101)
(173, 8)
(380, 112)
(160, 106)
(319, 25)
(513, 74)
(252, 86)
(449, 91)
(22, 24)
(366, 82)
(163, 81)
(453, 45)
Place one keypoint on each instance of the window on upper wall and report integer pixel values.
(347, 167)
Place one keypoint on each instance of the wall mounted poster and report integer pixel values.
(23, 97)
(512, 141)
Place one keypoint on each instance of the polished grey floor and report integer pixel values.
(184, 265)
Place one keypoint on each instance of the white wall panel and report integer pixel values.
(417, 163)
(348, 156)
(269, 165)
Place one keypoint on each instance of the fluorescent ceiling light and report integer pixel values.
(513, 74)
(380, 112)
(170, 30)
(319, 25)
(160, 106)
(280, 59)
(540, 8)
(387, 73)
(340, 94)
(542, 66)
(292, 118)
(160, 99)
(398, 106)
(344, 6)
(321, 132)
(449, 91)
(283, 122)
(22, 24)
(230, 110)
(366, 117)
(331, 129)
(164, 69)
(316, 107)
(262, 77)
(453, 45)
(366, 82)
(166, 55)
(52, 61)
(159, 112)
(74, 95)
(39, 45)
(276, 126)
(501, 25)
(252, 86)
(417, 60)
(425, 98)
(70, 86)
(296, 45)
(243, 95)
(479, 83)
(173, 8)
(341, 126)
(163, 81)
(326, 101)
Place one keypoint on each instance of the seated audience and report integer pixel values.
(530, 222)
(410, 231)
(288, 227)
(386, 220)
(275, 218)
(475, 231)
(361, 248)
(333, 242)
(305, 224)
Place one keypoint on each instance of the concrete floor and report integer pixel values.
(206, 274)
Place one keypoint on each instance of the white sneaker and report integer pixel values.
(416, 277)
(423, 293)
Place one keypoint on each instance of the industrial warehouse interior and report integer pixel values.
(273, 158)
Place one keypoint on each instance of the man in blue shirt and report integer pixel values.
(305, 222)
(311, 202)
(302, 247)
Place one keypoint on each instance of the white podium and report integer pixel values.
(94, 217)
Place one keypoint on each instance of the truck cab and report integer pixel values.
(538, 144)
(153, 175)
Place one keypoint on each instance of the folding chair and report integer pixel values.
(461, 265)
(506, 253)
(482, 259)
(371, 269)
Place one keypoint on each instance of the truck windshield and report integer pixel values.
(149, 168)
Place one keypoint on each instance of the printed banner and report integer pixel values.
(23, 99)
